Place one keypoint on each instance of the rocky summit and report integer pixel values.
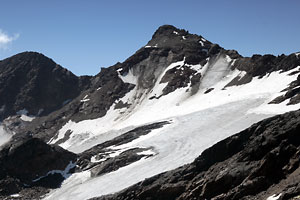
(31, 80)
(182, 118)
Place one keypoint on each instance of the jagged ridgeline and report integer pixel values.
(152, 127)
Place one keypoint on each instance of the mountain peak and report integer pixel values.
(168, 36)
(28, 55)
(33, 82)
(168, 30)
(27, 60)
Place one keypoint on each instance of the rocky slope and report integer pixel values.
(158, 110)
(257, 163)
(32, 82)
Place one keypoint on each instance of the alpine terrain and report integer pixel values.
(182, 118)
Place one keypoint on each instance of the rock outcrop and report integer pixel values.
(31, 164)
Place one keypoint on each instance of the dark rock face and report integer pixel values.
(259, 65)
(179, 77)
(183, 44)
(24, 162)
(254, 164)
(34, 82)
(117, 162)
(101, 150)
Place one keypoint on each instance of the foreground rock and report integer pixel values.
(30, 167)
(259, 162)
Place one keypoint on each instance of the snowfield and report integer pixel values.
(4, 136)
(197, 121)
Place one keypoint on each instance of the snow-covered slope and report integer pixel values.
(197, 121)
(143, 110)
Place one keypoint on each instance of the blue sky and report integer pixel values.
(86, 35)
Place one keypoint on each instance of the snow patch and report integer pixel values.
(241, 75)
(147, 153)
(197, 67)
(148, 46)
(24, 115)
(4, 136)
(201, 42)
(94, 159)
(297, 54)
(15, 195)
(274, 197)
(27, 118)
(175, 32)
(128, 77)
(85, 99)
